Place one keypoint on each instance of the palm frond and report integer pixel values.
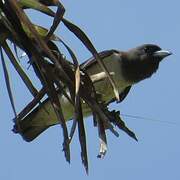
(38, 43)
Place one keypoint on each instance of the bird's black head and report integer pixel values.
(141, 62)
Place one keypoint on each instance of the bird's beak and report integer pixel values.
(162, 54)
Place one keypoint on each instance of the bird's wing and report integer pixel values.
(84, 65)
(92, 61)
(122, 95)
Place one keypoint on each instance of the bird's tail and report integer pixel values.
(36, 122)
(27, 130)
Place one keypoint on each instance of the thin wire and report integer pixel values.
(149, 119)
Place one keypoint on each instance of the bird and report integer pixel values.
(125, 67)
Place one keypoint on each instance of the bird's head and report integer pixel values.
(141, 62)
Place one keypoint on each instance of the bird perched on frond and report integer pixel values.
(125, 67)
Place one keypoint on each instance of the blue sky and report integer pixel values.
(118, 25)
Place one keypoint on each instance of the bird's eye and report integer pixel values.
(146, 50)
